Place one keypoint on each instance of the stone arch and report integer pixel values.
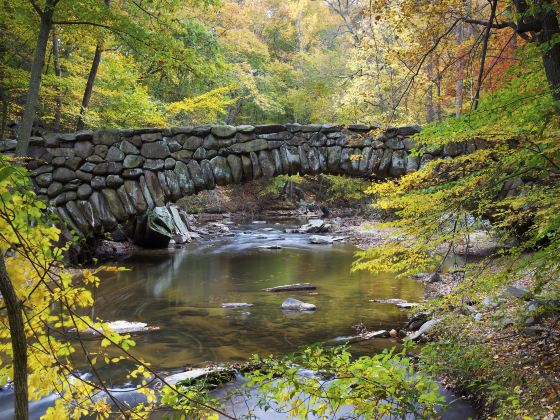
(98, 179)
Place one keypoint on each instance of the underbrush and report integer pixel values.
(281, 193)
(496, 373)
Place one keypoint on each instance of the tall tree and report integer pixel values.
(45, 25)
(91, 80)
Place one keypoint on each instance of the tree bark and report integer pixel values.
(551, 56)
(89, 87)
(35, 79)
(58, 73)
(4, 117)
(19, 342)
(430, 94)
(233, 111)
(90, 81)
(485, 41)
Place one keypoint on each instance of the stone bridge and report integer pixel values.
(98, 180)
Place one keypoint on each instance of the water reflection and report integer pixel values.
(182, 290)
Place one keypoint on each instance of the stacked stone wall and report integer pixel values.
(99, 179)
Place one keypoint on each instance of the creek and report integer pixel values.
(181, 290)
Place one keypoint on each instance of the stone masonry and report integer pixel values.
(98, 180)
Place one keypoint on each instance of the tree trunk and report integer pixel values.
(91, 80)
(58, 73)
(4, 117)
(459, 39)
(233, 111)
(430, 94)
(551, 55)
(485, 41)
(35, 79)
(19, 342)
(89, 87)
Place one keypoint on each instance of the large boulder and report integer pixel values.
(155, 229)
(315, 226)
(159, 225)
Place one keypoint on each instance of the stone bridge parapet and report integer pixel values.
(97, 180)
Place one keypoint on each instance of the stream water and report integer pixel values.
(181, 291)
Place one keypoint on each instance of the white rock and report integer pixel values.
(123, 327)
(321, 240)
(292, 304)
(191, 374)
(426, 327)
(290, 287)
(234, 305)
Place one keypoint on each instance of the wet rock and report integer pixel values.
(315, 226)
(156, 150)
(266, 163)
(425, 328)
(63, 175)
(236, 305)
(54, 189)
(154, 164)
(291, 287)
(128, 148)
(321, 240)
(213, 375)
(208, 174)
(114, 181)
(182, 234)
(64, 198)
(84, 191)
(169, 164)
(196, 176)
(156, 230)
(114, 154)
(360, 337)
(101, 211)
(151, 137)
(391, 301)
(517, 292)
(235, 165)
(223, 131)
(292, 304)
(124, 327)
(98, 182)
(134, 191)
(192, 143)
(133, 173)
(44, 180)
(220, 168)
(245, 128)
(247, 147)
(114, 203)
(406, 305)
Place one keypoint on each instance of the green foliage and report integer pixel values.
(276, 185)
(385, 384)
(509, 180)
(344, 189)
